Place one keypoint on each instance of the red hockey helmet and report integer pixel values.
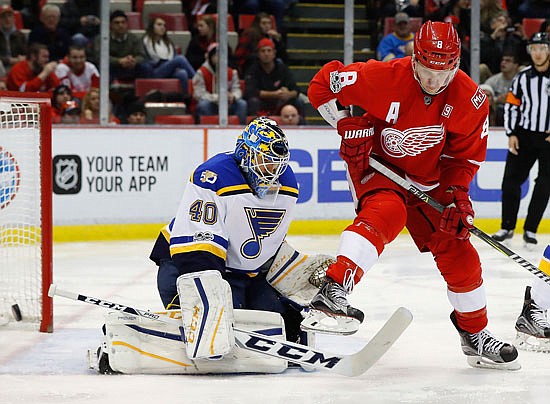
(437, 46)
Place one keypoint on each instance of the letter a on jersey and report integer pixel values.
(393, 113)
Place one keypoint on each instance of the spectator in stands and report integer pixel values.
(261, 27)
(393, 45)
(81, 18)
(269, 83)
(13, 44)
(126, 54)
(460, 9)
(205, 92)
(413, 8)
(161, 56)
(29, 9)
(90, 109)
(35, 73)
(500, 82)
(71, 112)
(534, 9)
(275, 7)
(75, 72)
(545, 26)
(488, 90)
(61, 94)
(504, 35)
(50, 33)
(3, 85)
(136, 113)
(203, 36)
(488, 10)
(290, 116)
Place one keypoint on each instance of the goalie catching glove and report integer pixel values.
(357, 137)
(458, 218)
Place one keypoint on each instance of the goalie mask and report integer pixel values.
(262, 153)
(436, 56)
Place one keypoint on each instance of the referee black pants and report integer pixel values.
(532, 148)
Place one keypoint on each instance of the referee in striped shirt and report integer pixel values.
(526, 120)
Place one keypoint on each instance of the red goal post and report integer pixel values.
(25, 210)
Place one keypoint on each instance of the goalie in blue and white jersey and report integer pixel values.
(233, 219)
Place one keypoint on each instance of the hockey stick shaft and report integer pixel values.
(347, 365)
(382, 169)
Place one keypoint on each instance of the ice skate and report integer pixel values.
(483, 350)
(99, 359)
(533, 329)
(331, 313)
(530, 240)
(503, 235)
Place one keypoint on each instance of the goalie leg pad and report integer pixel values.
(297, 276)
(137, 345)
(207, 314)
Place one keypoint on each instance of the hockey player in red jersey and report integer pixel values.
(429, 122)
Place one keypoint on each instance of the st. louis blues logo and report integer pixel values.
(10, 176)
(262, 222)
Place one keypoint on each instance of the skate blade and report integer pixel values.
(483, 363)
(531, 343)
(529, 246)
(91, 356)
(329, 323)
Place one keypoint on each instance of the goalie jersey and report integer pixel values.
(221, 224)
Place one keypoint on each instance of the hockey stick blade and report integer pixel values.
(402, 182)
(347, 365)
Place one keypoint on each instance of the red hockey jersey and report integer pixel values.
(433, 139)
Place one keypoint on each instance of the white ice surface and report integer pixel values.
(425, 366)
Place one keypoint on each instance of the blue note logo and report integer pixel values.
(10, 177)
(263, 223)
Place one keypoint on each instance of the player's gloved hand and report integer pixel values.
(458, 217)
(357, 134)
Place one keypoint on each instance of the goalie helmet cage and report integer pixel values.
(25, 210)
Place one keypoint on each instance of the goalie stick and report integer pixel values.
(347, 365)
(382, 169)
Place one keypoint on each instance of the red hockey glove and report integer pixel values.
(357, 137)
(458, 217)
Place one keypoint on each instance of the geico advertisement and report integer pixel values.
(123, 175)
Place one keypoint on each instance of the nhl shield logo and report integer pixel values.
(335, 84)
(67, 174)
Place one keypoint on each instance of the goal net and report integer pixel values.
(25, 210)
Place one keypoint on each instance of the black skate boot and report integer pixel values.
(330, 311)
(533, 329)
(483, 350)
(332, 299)
(530, 240)
(503, 235)
(103, 365)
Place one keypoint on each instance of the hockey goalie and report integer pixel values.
(223, 262)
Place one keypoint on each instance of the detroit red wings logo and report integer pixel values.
(411, 142)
